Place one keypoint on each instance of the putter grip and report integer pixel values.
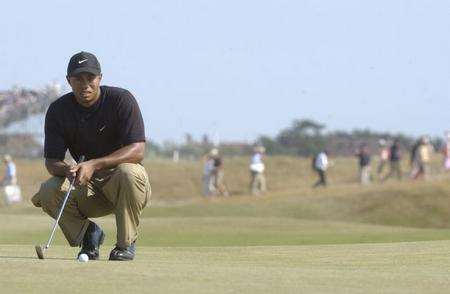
(80, 160)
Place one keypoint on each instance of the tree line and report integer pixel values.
(304, 137)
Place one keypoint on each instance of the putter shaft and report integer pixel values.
(40, 249)
(66, 197)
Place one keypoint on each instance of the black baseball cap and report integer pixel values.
(83, 62)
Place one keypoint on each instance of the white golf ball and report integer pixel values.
(83, 258)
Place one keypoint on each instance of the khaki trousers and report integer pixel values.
(257, 183)
(123, 191)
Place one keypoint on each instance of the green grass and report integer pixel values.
(418, 267)
(383, 238)
(226, 231)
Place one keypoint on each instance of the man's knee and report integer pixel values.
(47, 196)
(132, 173)
(134, 177)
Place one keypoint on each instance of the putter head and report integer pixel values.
(39, 251)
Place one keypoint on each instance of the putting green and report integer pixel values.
(207, 254)
(413, 267)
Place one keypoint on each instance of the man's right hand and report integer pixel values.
(59, 168)
(71, 172)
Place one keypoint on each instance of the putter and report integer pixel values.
(41, 249)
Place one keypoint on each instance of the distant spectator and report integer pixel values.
(364, 164)
(384, 156)
(11, 190)
(218, 175)
(257, 167)
(320, 165)
(421, 160)
(412, 154)
(207, 180)
(395, 157)
(10, 177)
(213, 174)
(446, 152)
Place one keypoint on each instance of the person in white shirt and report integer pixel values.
(257, 167)
(10, 189)
(320, 166)
(10, 177)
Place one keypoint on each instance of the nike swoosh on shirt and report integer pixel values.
(102, 128)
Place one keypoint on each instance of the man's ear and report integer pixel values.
(68, 79)
(101, 76)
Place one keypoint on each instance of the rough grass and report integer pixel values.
(173, 182)
(176, 190)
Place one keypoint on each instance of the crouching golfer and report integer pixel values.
(105, 125)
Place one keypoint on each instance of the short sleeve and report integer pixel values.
(54, 143)
(131, 124)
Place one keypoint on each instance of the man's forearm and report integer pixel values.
(56, 167)
(133, 153)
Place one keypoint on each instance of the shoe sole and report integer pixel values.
(121, 259)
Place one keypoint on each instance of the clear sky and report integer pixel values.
(244, 68)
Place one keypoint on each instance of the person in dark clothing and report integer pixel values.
(218, 175)
(413, 152)
(395, 157)
(364, 164)
(103, 124)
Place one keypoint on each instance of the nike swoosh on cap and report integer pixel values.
(81, 61)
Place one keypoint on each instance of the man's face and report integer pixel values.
(85, 87)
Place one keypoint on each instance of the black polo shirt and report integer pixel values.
(113, 122)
